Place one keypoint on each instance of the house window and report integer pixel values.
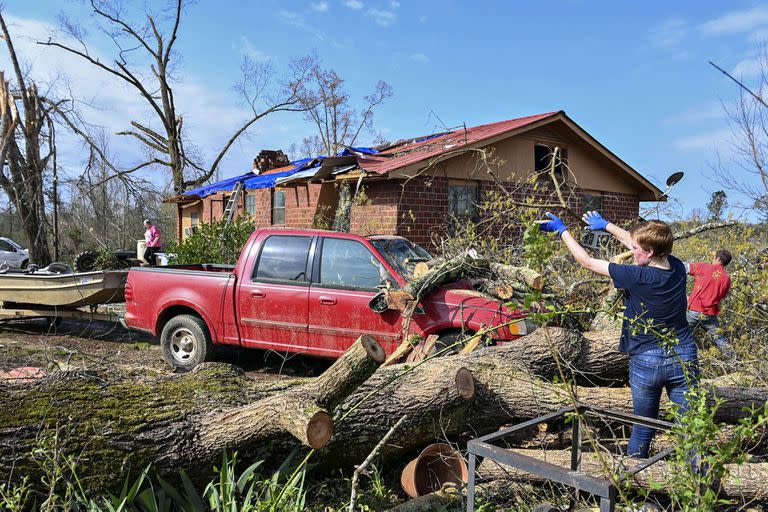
(463, 197)
(543, 159)
(193, 219)
(593, 202)
(250, 204)
(278, 207)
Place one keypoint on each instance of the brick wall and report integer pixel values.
(620, 208)
(416, 209)
(375, 210)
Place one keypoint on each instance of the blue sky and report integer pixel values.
(635, 75)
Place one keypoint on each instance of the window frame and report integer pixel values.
(274, 196)
(317, 267)
(560, 169)
(308, 264)
(454, 221)
(251, 196)
(595, 195)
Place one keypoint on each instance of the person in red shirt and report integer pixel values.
(710, 286)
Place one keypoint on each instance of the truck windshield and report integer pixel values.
(402, 254)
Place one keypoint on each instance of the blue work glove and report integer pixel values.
(554, 225)
(595, 221)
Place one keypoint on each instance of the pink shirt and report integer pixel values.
(152, 236)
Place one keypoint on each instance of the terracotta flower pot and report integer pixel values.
(438, 464)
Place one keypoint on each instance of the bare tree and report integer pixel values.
(146, 61)
(749, 121)
(26, 148)
(330, 110)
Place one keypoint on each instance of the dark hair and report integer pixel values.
(724, 256)
(654, 235)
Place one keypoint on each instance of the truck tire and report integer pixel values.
(86, 261)
(186, 342)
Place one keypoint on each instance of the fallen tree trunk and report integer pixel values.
(174, 422)
(744, 481)
(124, 425)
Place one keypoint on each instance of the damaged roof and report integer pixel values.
(413, 154)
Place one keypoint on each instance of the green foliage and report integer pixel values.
(230, 491)
(217, 242)
(107, 259)
(701, 453)
(717, 203)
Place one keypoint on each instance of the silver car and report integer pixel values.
(12, 254)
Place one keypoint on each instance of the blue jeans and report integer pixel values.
(649, 373)
(710, 325)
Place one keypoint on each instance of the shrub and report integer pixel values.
(217, 242)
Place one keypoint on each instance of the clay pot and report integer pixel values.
(438, 464)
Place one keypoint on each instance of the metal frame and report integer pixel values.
(571, 477)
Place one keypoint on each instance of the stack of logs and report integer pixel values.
(122, 426)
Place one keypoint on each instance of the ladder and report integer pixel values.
(231, 208)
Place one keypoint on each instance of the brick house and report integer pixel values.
(425, 186)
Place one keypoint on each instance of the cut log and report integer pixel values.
(398, 299)
(303, 412)
(116, 426)
(509, 274)
(461, 267)
(746, 481)
(122, 426)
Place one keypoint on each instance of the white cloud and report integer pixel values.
(713, 140)
(291, 17)
(747, 68)
(210, 117)
(669, 33)
(320, 6)
(251, 51)
(382, 17)
(394, 4)
(736, 21)
(420, 57)
(707, 112)
(354, 4)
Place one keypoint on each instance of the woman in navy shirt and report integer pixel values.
(654, 307)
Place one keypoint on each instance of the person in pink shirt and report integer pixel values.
(152, 237)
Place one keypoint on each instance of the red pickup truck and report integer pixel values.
(305, 291)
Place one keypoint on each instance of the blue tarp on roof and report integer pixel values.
(365, 151)
(254, 181)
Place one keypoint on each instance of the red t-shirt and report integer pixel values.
(710, 286)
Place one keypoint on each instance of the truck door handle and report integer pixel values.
(258, 294)
(329, 301)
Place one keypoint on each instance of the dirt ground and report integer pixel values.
(108, 348)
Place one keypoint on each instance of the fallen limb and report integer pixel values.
(362, 467)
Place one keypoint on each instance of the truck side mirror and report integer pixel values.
(378, 303)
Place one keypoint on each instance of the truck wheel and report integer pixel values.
(454, 339)
(186, 342)
(24, 264)
(86, 261)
